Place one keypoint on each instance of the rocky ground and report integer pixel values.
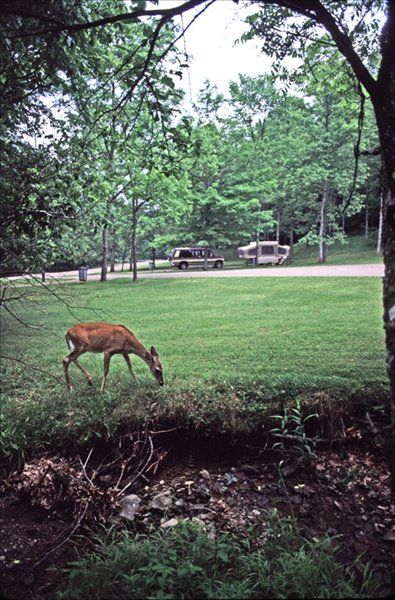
(45, 510)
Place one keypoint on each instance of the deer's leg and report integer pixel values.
(129, 363)
(106, 366)
(84, 371)
(72, 357)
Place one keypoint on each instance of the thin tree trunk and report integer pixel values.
(366, 219)
(291, 239)
(322, 231)
(103, 275)
(112, 256)
(278, 212)
(133, 253)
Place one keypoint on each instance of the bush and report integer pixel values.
(182, 562)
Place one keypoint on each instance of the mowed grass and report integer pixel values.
(230, 349)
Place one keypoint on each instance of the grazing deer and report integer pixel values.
(109, 339)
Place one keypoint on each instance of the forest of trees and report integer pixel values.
(103, 162)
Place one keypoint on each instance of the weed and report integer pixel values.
(291, 434)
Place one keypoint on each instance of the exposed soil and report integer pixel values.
(46, 508)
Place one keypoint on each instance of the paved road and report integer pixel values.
(368, 270)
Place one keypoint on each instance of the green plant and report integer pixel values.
(291, 434)
(182, 562)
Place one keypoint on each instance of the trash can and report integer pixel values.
(151, 265)
(83, 273)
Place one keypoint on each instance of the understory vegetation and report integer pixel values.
(183, 562)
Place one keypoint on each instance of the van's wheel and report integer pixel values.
(183, 266)
(219, 264)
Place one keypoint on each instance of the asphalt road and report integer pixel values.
(365, 270)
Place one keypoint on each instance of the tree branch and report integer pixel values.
(313, 9)
(167, 13)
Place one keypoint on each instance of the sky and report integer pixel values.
(210, 43)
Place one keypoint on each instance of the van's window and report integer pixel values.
(176, 254)
(252, 252)
(185, 254)
(282, 250)
(267, 250)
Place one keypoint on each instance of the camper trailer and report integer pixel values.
(269, 253)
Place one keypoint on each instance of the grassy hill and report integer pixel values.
(356, 250)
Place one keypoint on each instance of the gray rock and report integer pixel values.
(130, 506)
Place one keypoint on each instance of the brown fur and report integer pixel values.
(109, 339)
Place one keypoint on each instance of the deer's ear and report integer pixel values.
(153, 351)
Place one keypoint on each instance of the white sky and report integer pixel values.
(210, 43)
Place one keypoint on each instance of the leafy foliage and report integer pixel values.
(184, 562)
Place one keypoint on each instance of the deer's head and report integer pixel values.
(155, 366)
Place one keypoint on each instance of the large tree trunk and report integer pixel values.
(383, 100)
(389, 315)
(380, 230)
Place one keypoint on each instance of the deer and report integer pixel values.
(109, 339)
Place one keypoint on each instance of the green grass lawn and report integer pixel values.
(230, 348)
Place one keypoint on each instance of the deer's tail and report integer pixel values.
(69, 343)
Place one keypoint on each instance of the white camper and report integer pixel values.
(269, 253)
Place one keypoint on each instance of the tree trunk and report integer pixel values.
(366, 219)
(380, 230)
(278, 214)
(384, 107)
(205, 266)
(389, 314)
(133, 253)
(104, 258)
(291, 239)
(322, 231)
(112, 256)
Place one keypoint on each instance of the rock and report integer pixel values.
(169, 523)
(205, 474)
(390, 536)
(161, 501)
(249, 469)
(230, 478)
(130, 506)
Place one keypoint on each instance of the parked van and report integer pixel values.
(269, 253)
(194, 257)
